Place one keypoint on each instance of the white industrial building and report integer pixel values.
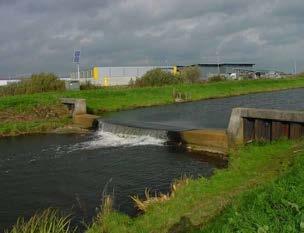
(113, 76)
(6, 82)
(121, 75)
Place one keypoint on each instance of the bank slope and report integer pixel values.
(19, 113)
(276, 207)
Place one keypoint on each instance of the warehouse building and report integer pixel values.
(122, 75)
(114, 76)
(212, 69)
(5, 82)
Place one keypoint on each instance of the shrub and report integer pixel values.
(156, 77)
(247, 77)
(131, 82)
(190, 74)
(37, 83)
(88, 86)
(159, 77)
(216, 78)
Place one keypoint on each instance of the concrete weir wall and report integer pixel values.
(206, 140)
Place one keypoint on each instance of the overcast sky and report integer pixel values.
(40, 35)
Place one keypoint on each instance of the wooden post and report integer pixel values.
(248, 129)
(296, 130)
(280, 130)
(262, 130)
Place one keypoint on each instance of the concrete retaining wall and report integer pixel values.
(265, 124)
(208, 140)
(86, 121)
(78, 110)
(246, 125)
(76, 106)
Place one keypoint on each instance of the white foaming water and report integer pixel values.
(113, 136)
(107, 139)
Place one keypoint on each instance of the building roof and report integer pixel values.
(224, 64)
(259, 70)
(7, 78)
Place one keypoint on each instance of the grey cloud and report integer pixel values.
(7, 2)
(41, 35)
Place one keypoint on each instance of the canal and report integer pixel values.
(73, 172)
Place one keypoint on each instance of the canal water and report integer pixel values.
(213, 113)
(73, 172)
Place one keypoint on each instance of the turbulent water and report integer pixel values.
(72, 172)
(104, 139)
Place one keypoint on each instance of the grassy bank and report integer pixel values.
(261, 189)
(275, 207)
(24, 109)
(31, 114)
(122, 98)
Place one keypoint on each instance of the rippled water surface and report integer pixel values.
(72, 172)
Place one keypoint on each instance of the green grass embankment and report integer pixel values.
(33, 113)
(18, 111)
(275, 207)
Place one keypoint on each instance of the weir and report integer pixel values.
(205, 140)
(125, 130)
(245, 125)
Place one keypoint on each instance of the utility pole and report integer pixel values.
(76, 60)
(218, 63)
(78, 72)
(295, 67)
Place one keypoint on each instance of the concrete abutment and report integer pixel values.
(78, 110)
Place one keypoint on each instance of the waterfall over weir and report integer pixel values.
(117, 135)
(125, 131)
